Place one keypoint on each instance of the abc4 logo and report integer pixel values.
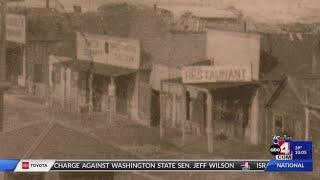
(281, 148)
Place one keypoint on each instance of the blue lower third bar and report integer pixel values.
(289, 166)
(8, 165)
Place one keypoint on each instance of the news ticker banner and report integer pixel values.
(154, 165)
(289, 156)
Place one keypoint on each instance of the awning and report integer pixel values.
(98, 68)
(216, 85)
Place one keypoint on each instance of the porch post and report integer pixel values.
(3, 43)
(184, 115)
(254, 119)
(174, 110)
(1, 110)
(162, 112)
(3, 88)
(134, 101)
(112, 98)
(64, 87)
(22, 78)
(209, 122)
(307, 113)
(267, 125)
(90, 92)
(162, 115)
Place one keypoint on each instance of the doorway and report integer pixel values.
(97, 92)
(231, 111)
(122, 85)
(155, 108)
(205, 111)
(14, 64)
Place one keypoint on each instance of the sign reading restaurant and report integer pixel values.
(16, 28)
(208, 74)
(121, 52)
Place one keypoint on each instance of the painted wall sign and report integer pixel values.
(208, 74)
(122, 52)
(16, 28)
(234, 49)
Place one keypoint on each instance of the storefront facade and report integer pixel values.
(81, 91)
(15, 63)
(31, 38)
(111, 83)
(214, 111)
(219, 99)
(36, 80)
(15, 49)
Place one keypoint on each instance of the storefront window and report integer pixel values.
(284, 124)
(74, 79)
(278, 123)
(77, 9)
(37, 73)
(56, 74)
(106, 47)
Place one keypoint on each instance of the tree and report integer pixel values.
(125, 19)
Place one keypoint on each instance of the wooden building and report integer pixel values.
(296, 55)
(216, 108)
(264, 108)
(271, 56)
(105, 78)
(108, 89)
(15, 60)
(137, 90)
(293, 109)
(285, 111)
(200, 18)
(37, 57)
(40, 31)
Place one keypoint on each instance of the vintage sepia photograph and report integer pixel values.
(159, 89)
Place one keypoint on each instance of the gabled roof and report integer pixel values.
(277, 92)
(293, 53)
(293, 86)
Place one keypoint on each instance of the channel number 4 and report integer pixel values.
(285, 148)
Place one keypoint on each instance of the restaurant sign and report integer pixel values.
(121, 52)
(209, 74)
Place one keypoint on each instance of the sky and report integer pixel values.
(269, 11)
(280, 10)
(266, 11)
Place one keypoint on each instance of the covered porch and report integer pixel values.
(216, 111)
(91, 88)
